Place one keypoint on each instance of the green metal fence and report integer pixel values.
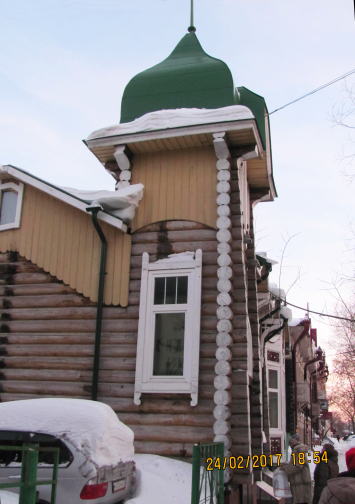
(28, 483)
(208, 474)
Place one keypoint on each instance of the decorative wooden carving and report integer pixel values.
(273, 356)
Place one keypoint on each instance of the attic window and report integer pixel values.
(169, 326)
(10, 205)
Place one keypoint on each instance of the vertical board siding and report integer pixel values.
(62, 240)
(178, 185)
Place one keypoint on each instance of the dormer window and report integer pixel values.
(10, 205)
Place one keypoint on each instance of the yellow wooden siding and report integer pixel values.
(179, 185)
(62, 240)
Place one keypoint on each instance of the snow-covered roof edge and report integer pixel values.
(83, 199)
(177, 118)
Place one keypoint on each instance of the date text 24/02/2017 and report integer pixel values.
(243, 462)
(258, 461)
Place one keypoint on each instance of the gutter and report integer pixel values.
(94, 210)
(300, 338)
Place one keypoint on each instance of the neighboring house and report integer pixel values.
(306, 391)
(178, 344)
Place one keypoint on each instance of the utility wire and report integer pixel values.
(312, 92)
(311, 311)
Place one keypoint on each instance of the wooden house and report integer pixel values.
(165, 328)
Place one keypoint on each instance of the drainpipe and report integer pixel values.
(100, 299)
(319, 355)
(304, 333)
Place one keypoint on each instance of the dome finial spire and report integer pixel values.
(191, 28)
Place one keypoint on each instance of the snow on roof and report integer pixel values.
(267, 259)
(91, 427)
(71, 198)
(274, 289)
(296, 321)
(121, 203)
(176, 118)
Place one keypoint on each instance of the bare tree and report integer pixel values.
(343, 391)
(343, 115)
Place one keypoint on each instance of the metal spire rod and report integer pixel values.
(191, 28)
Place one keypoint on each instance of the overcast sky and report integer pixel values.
(64, 65)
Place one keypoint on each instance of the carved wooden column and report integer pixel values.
(222, 381)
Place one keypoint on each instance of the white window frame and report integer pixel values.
(278, 390)
(175, 265)
(18, 189)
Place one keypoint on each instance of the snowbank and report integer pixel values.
(8, 497)
(161, 480)
(92, 427)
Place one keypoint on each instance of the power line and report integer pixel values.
(311, 311)
(315, 91)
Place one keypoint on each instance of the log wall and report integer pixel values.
(47, 342)
(257, 426)
(241, 396)
(178, 185)
(62, 241)
(167, 424)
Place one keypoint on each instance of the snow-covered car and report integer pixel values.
(95, 449)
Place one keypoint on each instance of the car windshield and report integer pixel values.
(45, 459)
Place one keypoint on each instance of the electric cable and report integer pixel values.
(312, 92)
(311, 311)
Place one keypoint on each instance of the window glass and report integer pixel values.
(159, 290)
(8, 207)
(274, 409)
(16, 439)
(273, 379)
(182, 290)
(170, 293)
(169, 344)
(170, 290)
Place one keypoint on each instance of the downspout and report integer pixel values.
(319, 354)
(268, 268)
(100, 300)
(272, 313)
(311, 399)
(302, 335)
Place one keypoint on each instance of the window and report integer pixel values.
(13, 458)
(273, 398)
(10, 205)
(169, 326)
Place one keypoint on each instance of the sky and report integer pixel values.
(64, 65)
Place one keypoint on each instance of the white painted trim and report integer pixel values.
(17, 188)
(145, 382)
(66, 198)
(177, 132)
